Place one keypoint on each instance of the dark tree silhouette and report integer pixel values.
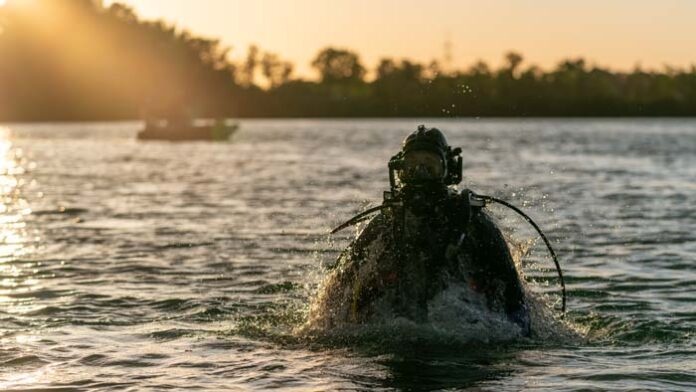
(276, 71)
(79, 60)
(338, 65)
(514, 60)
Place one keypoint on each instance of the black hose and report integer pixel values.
(546, 241)
(358, 218)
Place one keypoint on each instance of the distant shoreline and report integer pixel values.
(113, 65)
(376, 118)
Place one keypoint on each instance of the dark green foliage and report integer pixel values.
(76, 60)
(338, 66)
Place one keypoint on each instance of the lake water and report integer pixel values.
(134, 266)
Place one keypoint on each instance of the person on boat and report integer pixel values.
(426, 236)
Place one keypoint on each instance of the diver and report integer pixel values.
(425, 236)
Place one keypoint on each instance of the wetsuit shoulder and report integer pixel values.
(494, 253)
(357, 248)
(374, 228)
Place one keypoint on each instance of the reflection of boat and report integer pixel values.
(187, 131)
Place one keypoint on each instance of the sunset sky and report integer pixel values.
(614, 33)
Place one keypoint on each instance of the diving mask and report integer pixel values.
(419, 166)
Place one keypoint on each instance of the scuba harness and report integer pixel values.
(394, 198)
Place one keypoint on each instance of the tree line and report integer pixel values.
(79, 60)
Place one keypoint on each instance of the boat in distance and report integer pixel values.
(219, 131)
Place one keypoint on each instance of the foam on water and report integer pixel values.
(457, 314)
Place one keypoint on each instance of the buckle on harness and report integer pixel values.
(476, 201)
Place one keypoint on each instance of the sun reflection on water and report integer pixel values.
(13, 208)
(13, 228)
(17, 277)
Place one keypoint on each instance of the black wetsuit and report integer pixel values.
(406, 255)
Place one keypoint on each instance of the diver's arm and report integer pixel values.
(499, 264)
(348, 291)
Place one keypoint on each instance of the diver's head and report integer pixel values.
(427, 161)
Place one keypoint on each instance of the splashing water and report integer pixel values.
(457, 314)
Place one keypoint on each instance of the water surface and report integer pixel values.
(132, 266)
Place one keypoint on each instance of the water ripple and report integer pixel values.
(125, 266)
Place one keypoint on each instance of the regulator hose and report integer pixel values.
(359, 218)
(543, 237)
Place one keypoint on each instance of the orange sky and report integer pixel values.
(615, 33)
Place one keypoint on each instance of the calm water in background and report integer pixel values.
(130, 265)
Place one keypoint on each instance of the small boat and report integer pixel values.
(220, 131)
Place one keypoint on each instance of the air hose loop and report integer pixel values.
(543, 237)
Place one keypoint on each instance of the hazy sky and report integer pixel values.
(615, 33)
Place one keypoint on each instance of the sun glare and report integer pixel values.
(12, 213)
